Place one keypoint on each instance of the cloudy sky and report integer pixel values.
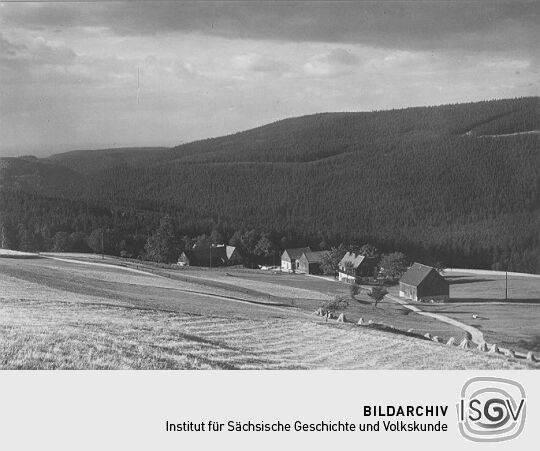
(68, 71)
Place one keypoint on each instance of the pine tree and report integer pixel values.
(8, 238)
(26, 239)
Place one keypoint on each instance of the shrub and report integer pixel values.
(339, 303)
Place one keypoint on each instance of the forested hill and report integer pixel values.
(90, 161)
(319, 136)
(34, 175)
(459, 183)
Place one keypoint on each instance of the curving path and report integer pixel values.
(477, 336)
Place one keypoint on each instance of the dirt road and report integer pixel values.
(476, 335)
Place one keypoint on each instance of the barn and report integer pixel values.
(353, 267)
(310, 262)
(290, 257)
(423, 283)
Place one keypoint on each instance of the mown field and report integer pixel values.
(58, 314)
(514, 324)
(59, 335)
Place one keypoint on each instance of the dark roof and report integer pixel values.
(355, 259)
(416, 274)
(296, 252)
(315, 257)
(201, 256)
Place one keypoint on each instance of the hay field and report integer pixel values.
(387, 312)
(59, 335)
(64, 315)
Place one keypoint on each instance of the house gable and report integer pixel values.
(294, 253)
(350, 259)
(433, 285)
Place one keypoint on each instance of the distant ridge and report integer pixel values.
(27, 173)
(86, 161)
(319, 136)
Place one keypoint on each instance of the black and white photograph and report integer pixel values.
(270, 186)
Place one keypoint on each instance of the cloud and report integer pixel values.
(8, 49)
(259, 63)
(336, 62)
(402, 60)
(36, 49)
(68, 72)
(33, 59)
(480, 25)
(341, 57)
(50, 52)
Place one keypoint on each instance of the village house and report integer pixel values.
(220, 255)
(310, 262)
(423, 283)
(353, 267)
(290, 257)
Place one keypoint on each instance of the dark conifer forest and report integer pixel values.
(457, 184)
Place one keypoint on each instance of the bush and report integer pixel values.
(532, 345)
(339, 303)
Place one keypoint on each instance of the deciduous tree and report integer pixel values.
(393, 265)
(330, 261)
(377, 294)
(161, 246)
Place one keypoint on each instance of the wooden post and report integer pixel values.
(506, 285)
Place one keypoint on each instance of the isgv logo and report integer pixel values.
(491, 409)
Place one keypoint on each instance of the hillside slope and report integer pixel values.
(319, 136)
(437, 182)
(49, 325)
(40, 176)
(54, 335)
(87, 162)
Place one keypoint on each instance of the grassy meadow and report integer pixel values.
(60, 335)
(58, 314)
